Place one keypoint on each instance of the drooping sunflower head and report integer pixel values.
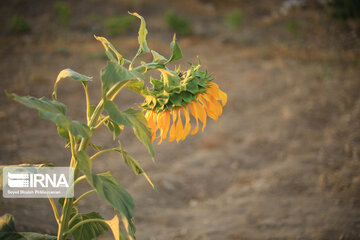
(176, 96)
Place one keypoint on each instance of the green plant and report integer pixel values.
(63, 13)
(234, 18)
(178, 24)
(19, 25)
(173, 92)
(118, 25)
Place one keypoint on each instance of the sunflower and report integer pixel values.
(175, 97)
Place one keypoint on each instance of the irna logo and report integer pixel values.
(37, 182)
(29, 180)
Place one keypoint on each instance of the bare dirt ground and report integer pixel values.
(281, 163)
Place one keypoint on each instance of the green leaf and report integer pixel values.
(176, 99)
(63, 133)
(8, 231)
(116, 75)
(143, 48)
(136, 86)
(54, 111)
(90, 230)
(129, 227)
(135, 166)
(192, 87)
(107, 187)
(115, 128)
(7, 227)
(36, 236)
(132, 118)
(157, 57)
(132, 163)
(72, 74)
(144, 68)
(187, 97)
(175, 51)
(110, 50)
(21, 165)
(114, 226)
(142, 35)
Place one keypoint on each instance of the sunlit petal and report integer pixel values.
(214, 107)
(187, 127)
(165, 125)
(202, 114)
(179, 127)
(194, 112)
(172, 134)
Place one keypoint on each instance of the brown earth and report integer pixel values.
(281, 163)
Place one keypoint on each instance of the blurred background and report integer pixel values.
(281, 163)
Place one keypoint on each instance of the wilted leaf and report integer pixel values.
(135, 85)
(110, 50)
(134, 165)
(157, 57)
(131, 118)
(107, 187)
(142, 35)
(115, 128)
(63, 133)
(36, 236)
(54, 111)
(114, 74)
(114, 226)
(175, 51)
(7, 227)
(72, 74)
(90, 230)
(8, 231)
(129, 227)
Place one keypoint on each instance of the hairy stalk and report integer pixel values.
(87, 102)
(84, 195)
(79, 179)
(56, 213)
(69, 202)
(101, 122)
(74, 217)
(104, 151)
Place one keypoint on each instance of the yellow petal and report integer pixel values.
(160, 124)
(173, 128)
(147, 114)
(202, 114)
(201, 99)
(157, 118)
(213, 90)
(217, 93)
(165, 125)
(150, 115)
(150, 118)
(214, 109)
(179, 127)
(187, 127)
(223, 97)
(194, 112)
